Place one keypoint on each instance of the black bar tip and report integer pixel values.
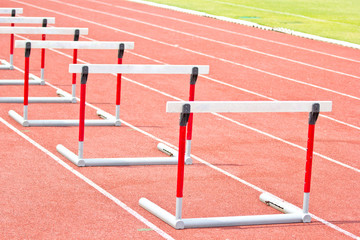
(121, 50)
(76, 35)
(314, 114)
(184, 115)
(194, 75)
(84, 74)
(13, 12)
(27, 49)
(44, 22)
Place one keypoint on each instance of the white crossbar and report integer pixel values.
(73, 44)
(50, 20)
(9, 10)
(248, 106)
(42, 30)
(138, 68)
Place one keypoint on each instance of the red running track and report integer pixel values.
(236, 155)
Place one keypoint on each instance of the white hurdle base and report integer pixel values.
(105, 115)
(170, 219)
(65, 98)
(5, 65)
(58, 123)
(172, 152)
(92, 162)
(33, 80)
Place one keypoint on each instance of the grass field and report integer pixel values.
(336, 19)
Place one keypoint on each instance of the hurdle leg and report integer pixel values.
(12, 40)
(26, 82)
(313, 115)
(184, 117)
(118, 86)
(43, 38)
(84, 76)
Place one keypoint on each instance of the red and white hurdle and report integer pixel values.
(23, 120)
(23, 20)
(38, 31)
(293, 214)
(79, 159)
(12, 11)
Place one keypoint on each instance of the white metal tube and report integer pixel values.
(73, 90)
(306, 203)
(242, 220)
(42, 74)
(81, 150)
(178, 213)
(91, 162)
(167, 150)
(161, 213)
(11, 61)
(188, 159)
(69, 155)
(279, 204)
(35, 100)
(18, 82)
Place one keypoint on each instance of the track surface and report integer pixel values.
(237, 156)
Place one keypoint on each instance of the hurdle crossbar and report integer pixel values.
(293, 214)
(79, 159)
(11, 10)
(66, 97)
(27, 20)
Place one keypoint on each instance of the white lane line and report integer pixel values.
(209, 39)
(228, 31)
(88, 181)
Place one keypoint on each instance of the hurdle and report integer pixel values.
(25, 20)
(79, 159)
(293, 214)
(43, 31)
(3, 63)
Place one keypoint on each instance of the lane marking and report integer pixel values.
(192, 51)
(88, 181)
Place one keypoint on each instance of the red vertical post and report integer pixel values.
(118, 82)
(43, 38)
(193, 79)
(184, 117)
(84, 75)
(310, 146)
(12, 39)
(76, 38)
(26, 73)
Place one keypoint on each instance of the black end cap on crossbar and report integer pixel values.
(84, 74)
(314, 114)
(27, 49)
(121, 50)
(44, 22)
(184, 115)
(194, 75)
(76, 35)
(13, 12)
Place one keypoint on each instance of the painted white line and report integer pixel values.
(88, 181)
(228, 31)
(209, 39)
(251, 24)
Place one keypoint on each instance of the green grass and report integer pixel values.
(336, 19)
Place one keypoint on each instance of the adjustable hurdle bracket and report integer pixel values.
(314, 114)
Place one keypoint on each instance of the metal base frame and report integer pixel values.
(58, 122)
(33, 80)
(64, 98)
(173, 153)
(292, 214)
(5, 65)
(90, 162)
